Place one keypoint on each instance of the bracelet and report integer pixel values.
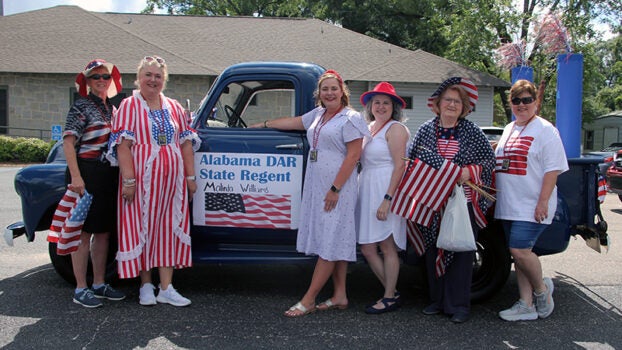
(265, 124)
(129, 185)
(387, 197)
(191, 178)
(334, 189)
(129, 182)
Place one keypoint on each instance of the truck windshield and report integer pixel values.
(244, 103)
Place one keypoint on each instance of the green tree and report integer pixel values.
(467, 32)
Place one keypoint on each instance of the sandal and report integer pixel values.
(299, 310)
(396, 296)
(328, 305)
(390, 304)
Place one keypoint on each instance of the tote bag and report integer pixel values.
(456, 233)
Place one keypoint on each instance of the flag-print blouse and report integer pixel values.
(89, 121)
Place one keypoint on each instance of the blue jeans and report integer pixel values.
(522, 234)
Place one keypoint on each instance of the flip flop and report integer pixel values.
(328, 305)
(298, 307)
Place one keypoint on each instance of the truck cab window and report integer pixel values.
(248, 102)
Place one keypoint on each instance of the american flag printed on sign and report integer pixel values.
(69, 237)
(424, 189)
(248, 210)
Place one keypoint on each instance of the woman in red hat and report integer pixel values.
(85, 141)
(458, 151)
(383, 164)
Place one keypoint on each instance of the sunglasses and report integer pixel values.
(160, 60)
(99, 76)
(525, 100)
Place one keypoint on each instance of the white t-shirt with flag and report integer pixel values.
(523, 155)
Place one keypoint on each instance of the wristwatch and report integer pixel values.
(334, 189)
(387, 197)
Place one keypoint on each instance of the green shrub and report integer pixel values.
(7, 145)
(23, 150)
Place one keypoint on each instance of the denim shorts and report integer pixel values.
(522, 234)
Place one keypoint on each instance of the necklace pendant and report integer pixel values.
(505, 165)
(313, 155)
(162, 139)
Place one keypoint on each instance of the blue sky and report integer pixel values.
(124, 6)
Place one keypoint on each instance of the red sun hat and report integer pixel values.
(114, 88)
(382, 88)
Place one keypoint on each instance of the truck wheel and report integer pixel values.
(492, 264)
(63, 266)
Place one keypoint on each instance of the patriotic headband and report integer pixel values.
(333, 72)
(465, 84)
(114, 88)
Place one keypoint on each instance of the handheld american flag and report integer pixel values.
(67, 202)
(425, 187)
(68, 221)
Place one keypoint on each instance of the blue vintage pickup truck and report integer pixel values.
(239, 168)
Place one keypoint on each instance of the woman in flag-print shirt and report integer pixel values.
(85, 139)
(530, 157)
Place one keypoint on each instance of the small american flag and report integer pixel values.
(602, 188)
(68, 221)
(248, 210)
(415, 237)
(425, 187)
(60, 215)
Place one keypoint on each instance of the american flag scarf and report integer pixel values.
(476, 154)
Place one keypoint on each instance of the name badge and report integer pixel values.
(313, 155)
(162, 139)
(505, 165)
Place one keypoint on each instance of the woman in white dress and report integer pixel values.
(327, 225)
(382, 169)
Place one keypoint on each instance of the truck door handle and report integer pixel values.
(290, 146)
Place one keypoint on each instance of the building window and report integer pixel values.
(589, 140)
(4, 107)
(409, 102)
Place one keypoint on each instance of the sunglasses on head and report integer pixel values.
(525, 100)
(99, 76)
(160, 60)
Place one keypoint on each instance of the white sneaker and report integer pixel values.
(544, 301)
(147, 296)
(171, 296)
(519, 312)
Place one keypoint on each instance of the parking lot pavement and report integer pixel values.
(241, 306)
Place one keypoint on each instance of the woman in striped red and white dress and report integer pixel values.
(154, 145)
